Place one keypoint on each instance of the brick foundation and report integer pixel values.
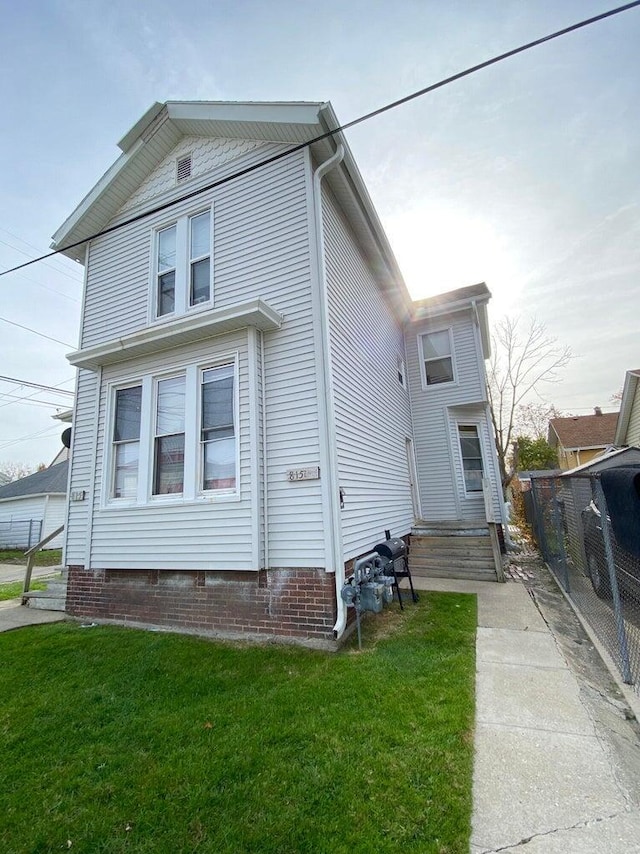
(295, 604)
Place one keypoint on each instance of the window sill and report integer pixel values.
(184, 330)
(175, 501)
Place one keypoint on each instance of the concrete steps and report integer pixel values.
(54, 598)
(461, 550)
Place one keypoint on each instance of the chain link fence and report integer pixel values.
(592, 546)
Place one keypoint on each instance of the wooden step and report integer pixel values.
(459, 572)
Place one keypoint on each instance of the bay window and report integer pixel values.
(174, 436)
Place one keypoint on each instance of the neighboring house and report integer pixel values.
(580, 438)
(628, 425)
(258, 399)
(34, 506)
(4, 478)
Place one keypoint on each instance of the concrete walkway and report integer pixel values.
(545, 781)
(14, 616)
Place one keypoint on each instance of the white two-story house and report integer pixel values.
(258, 399)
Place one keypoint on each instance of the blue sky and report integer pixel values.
(524, 175)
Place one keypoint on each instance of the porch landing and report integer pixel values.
(454, 549)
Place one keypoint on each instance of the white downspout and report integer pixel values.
(326, 411)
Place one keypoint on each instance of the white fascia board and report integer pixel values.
(626, 406)
(140, 126)
(176, 332)
(278, 112)
(108, 180)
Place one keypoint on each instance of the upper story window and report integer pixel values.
(437, 354)
(402, 372)
(182, 265)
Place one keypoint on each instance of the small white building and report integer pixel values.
(258, 398)
(33, 507)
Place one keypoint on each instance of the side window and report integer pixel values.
(166, 271)
(168, 458)
(200, 258)
(218, 428)
(126, 442)
(471, 457)
(437, 353)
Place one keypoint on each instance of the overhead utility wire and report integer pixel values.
(35, 332)
(330, 133)
(36, 385)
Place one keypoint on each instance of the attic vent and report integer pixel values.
(183, 169)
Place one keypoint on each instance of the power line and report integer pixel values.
(29, 401)
(11, 442)
(37, 385)
(35, 332)
(50, 266)
(331, 133)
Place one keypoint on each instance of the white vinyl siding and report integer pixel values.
(50, 510)
(371, 406)
(440, 480)
(82, 463)
(260, 250)
(170, 532)
(633, 430)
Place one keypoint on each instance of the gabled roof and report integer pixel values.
(583, 431)
(629, 392)
(51, 481)
(162, 127)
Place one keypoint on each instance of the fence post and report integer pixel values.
(557, 523)
(601, 501)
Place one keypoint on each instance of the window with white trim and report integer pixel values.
(126, 442)
(471, 457)
(168, 451)
(175, 436)
(437, 355)
(182, 265)
(217, 428)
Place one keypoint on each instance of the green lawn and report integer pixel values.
(49, 557)
(115, 740)
(13, 589)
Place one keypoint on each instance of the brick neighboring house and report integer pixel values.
(578, 439)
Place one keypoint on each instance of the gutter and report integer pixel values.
(326, 414)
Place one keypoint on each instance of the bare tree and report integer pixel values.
(14, 471)
(523, 356)
(532, 418)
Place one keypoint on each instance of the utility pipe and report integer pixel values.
(326, 414)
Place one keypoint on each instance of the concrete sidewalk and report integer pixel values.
(545, 779)
(14, 616)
